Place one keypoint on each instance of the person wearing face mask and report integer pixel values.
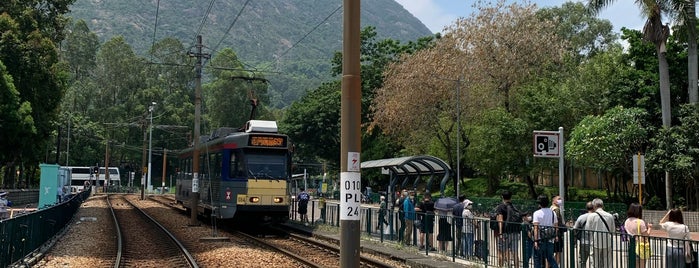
(556, 203)
(469, 227)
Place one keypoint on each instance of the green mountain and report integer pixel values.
(291, 42)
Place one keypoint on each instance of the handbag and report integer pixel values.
(643, 250)
(547, 232)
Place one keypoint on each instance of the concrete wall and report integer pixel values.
(691, 218)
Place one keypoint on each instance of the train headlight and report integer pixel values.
(278, 199)
(254, 199)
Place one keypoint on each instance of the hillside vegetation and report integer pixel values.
(276, 37)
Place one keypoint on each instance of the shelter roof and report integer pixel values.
(410, 165)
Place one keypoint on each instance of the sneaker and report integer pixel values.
(421, 247)
(432, 249)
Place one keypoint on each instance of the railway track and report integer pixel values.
(310, 252)
(306, 251)
(142, 241)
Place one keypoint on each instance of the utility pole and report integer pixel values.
(106, 165)
(68, 143)
(350, 136)
(162, 189)
(143, 162)
(150, 146)
(194, 201)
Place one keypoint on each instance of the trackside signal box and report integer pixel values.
(48, 186)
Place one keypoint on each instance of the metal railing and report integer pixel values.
(23, 234)
(620, 247)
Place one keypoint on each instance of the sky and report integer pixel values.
(436, 14)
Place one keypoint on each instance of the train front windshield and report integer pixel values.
(267, 165)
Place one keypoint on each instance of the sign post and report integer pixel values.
(550, 144)
(639, 174)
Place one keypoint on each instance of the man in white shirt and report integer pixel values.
(602, 225)
(543, 248)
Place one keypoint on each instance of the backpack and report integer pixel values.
(578, 232)
(457, 211)
(494, 222)
(303, 197)
(562, 227)
(514, 219)
(624, 234)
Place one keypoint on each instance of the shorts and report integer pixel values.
(509, 242)
(303, 210)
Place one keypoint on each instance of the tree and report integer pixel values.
(228, 96)
(607, 142)
(656, 32)
(313, 122)
(489, 56)
(498, 142)
(587, 35)
(31, 31)
(677, 149)
(683, 12)
(80, 50)
(16, 121)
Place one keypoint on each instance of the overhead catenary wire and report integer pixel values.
(155, 27)
(231, 26)
(309, 32)
(203, 19)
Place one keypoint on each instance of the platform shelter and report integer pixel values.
(407, 169)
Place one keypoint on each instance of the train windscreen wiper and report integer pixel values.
(252, 174)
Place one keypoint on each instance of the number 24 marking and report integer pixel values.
(353, 210)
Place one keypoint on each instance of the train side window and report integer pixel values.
(236, 165)
(216, 166)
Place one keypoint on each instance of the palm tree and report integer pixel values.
(655, 32)
(684, 13)
(691, 18)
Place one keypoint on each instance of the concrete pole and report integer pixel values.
(458, 136)
(561, 169)
(350, 176)
(150, 147)
(194, 201)
(162, 189)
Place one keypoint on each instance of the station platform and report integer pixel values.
(371, 244)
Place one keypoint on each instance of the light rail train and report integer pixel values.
(243, 174)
